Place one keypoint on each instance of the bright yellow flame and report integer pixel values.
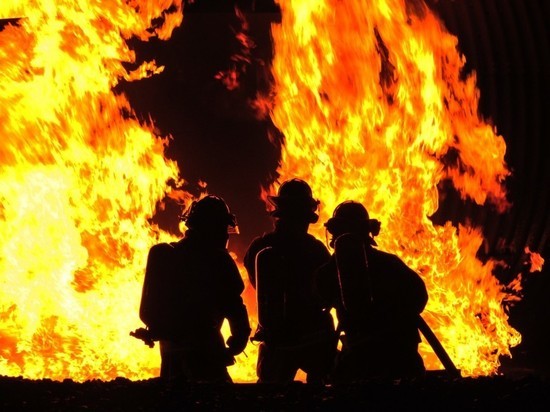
(79, 177)
(373, 106)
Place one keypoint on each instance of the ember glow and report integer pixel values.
(372, 103)
(374, 106)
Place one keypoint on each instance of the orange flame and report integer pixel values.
(374, 107)
(372, 103)
(536, 261)
(79, 177)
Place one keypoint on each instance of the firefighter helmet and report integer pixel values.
(210, 211)
(295, 198)
(351, 216)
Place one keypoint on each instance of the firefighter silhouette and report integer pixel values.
(190, 287)
(377, 297)
(293, 329)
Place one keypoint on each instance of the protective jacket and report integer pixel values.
(190, 288)
(382, 338)
(298, 333)
(302, 255)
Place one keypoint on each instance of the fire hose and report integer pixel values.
(438, 348)
(353, 267)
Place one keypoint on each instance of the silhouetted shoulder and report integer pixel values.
(320, 246)
(161, 249)
(413, 291)
(231, 272)
(259, 242)
(388, 261)
(159, 259)
(249, 260)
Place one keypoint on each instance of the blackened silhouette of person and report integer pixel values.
(293, 329)
(378, 301)
(190, 287)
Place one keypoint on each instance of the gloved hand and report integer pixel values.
(236, 344)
